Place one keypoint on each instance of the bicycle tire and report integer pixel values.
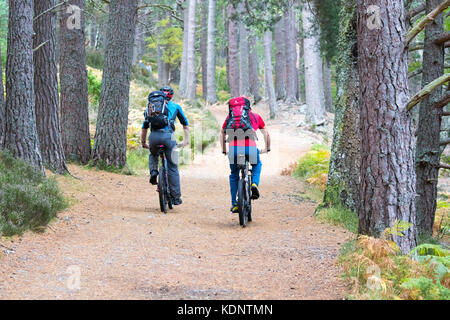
(162, 192)
(242, 204)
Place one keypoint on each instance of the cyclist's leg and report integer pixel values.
(154, 142)
(172, 165)
(255, 161)
(234, 175)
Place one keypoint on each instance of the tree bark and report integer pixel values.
(253, 69)
(244, 86)
(342, 187)
(233, 52)
(291, 55)
(280, 59)
(182, 86)
(46, 88)
(268, 74)
(327, 86)
(388, 178)
(21, 137)
(203, 46)
(111, 133)
(2, 104)
(211, 94)
(74, 102)
(315, 98)
(190, 52)
(428, 151)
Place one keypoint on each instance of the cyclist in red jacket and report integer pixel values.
(241, 142)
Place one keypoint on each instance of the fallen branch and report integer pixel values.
(416, 47)
(422, 94)
(445, 100)
(415, 30)
(415, 11)
(444, 142)
(420, 70)
(442, 38)
(444, 166)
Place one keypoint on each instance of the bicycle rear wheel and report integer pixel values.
(162, 191)
(242, 203)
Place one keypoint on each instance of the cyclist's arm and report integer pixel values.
(266, 135)
(186, 140)
(223, 141)
(144, 138)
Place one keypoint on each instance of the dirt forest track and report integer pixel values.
(123, 247)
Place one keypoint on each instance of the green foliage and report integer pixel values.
(95, 58)
(339, 217)
(378, 270)
(328, 16)
(170, 39)
(4, 11)
(94, 88)
(28, 200)
(143, 76)
(313, 167)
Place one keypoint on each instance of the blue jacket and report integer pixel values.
(175, 112)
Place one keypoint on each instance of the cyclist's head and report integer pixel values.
(168, 91)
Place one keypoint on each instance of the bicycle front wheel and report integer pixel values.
(162, 191)
(242, 203)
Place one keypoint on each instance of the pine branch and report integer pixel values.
(444, 142)
(422, 94)
(50, 9)
(415, 30)
(41, 45)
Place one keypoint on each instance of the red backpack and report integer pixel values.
(239, 114)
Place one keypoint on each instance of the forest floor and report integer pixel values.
(115, 237)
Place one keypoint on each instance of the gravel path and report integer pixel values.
(122, 247)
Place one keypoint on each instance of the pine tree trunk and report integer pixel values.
(388, 178)
(191, 84)
(280, 60)
(327, 86)
(74, 101)
(203, 47)
(111, 133)
(291, 55)
(182, 86)
(244, 86)
(92, 35)
(46, 88)
(253, 69)
(428, 151)
(2, 104)
(233, 52)
(268, 74)
(21, 137)
(301, 72)
(342, 187)
(211, 94)
(315, 98)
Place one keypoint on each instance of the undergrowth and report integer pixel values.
(28, 200)
(376, 270)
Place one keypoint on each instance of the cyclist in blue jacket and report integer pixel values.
(165, 136)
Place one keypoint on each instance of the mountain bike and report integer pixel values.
(244, 191)
(165, 198)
